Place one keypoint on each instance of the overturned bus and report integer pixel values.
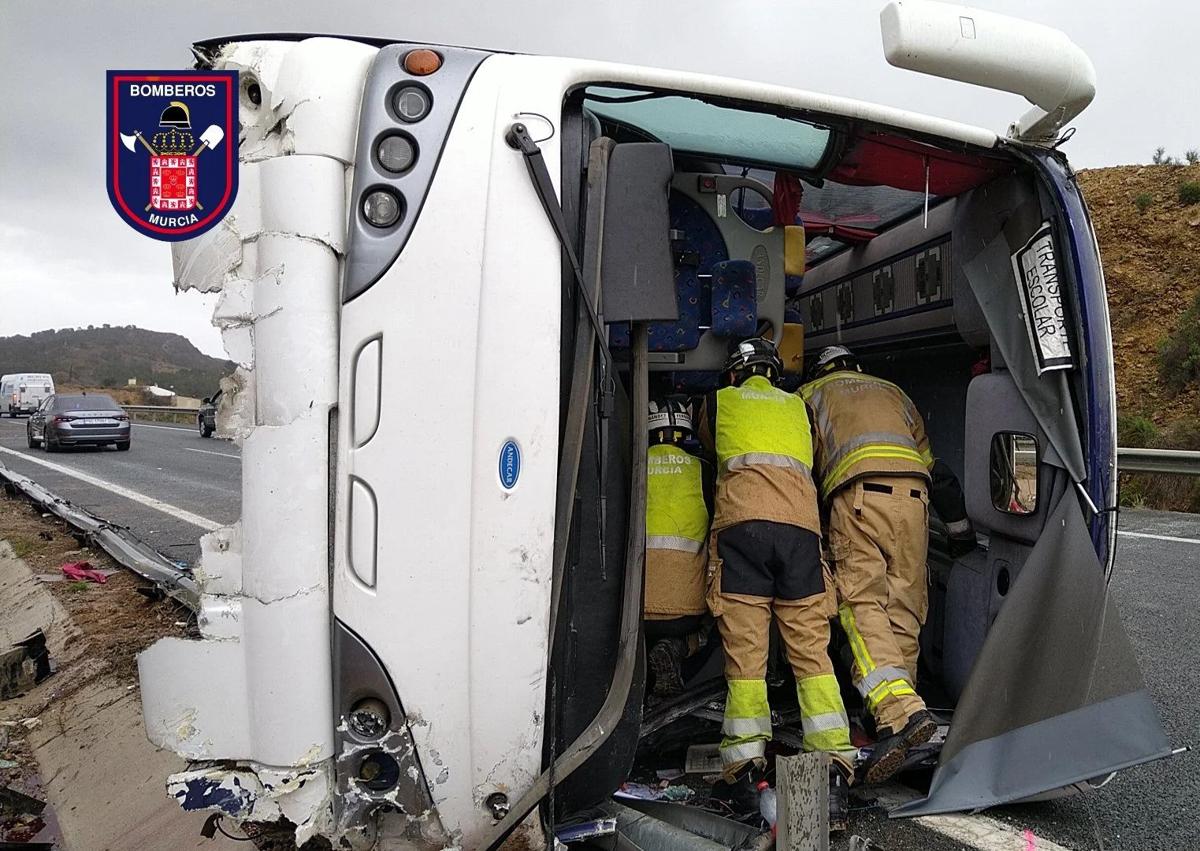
(451, 281)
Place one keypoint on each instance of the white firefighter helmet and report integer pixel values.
(669, 414)
(833, 358)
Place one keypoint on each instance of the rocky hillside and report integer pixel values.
(108, 357)
(1150, 243)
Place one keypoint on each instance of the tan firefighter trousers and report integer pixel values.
(761, 571)
(878, 541)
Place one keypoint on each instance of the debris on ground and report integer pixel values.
(25, 665)
(115, 621)
(83, 570)
(90, 634)
(659, 826)
(648, 792)
(15, 802)
(586, 830)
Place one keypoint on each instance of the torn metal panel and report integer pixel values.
(256, 793)
(318, 112)
(213, 699)
(234, 315)
(235, 413)
(211, 260)
(220, 567)
(255, 693)
(258, 64)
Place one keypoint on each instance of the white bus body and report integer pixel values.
(376, 662)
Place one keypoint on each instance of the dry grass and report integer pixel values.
(115, 622)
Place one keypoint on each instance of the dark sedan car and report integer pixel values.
(85, 420)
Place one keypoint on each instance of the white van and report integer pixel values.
(426, 627)
(22, 392)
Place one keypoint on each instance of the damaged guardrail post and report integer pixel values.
(802, 784)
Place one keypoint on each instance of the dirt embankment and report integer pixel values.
(76, 740)
(1150, 244)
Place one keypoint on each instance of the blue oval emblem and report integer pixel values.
(510, 464)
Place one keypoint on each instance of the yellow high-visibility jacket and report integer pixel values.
(761, 438)
(676, 533)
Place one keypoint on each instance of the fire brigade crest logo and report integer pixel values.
(172, 149)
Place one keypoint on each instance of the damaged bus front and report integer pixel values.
(451, 281)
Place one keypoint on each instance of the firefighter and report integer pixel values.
(676, 616)
(765, 561)
(874, 466)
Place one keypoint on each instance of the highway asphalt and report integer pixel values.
(167, 465)
(1156, 583)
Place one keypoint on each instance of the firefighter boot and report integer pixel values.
(666, 661)
(839, 800)
(892, 747)
(741, 794)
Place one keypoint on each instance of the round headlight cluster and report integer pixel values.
(382, 207)
(395, 151)
(411, 103)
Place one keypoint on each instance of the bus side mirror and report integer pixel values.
(1014, 472)
(637, 275)
(204, 401)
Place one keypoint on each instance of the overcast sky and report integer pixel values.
(66, 259)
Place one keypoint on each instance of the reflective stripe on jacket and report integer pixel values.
(763, 444)
(864, 426)
(676, 533)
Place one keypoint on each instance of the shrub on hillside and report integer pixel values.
(1192, 156)
(1189, 192)
(1179, 351)
(1142, 201)
(1135, 430)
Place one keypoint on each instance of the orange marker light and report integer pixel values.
(421, 62)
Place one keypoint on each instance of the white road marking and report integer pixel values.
(210, 452)
(151, 502)
(186, 428)
(974, 831)
(1159, 537)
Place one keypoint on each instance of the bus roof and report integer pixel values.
(591, 71)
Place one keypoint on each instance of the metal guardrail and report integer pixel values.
(118, 541)
(161, 411)
(1176, 461)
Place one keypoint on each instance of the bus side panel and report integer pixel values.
(445, 498)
